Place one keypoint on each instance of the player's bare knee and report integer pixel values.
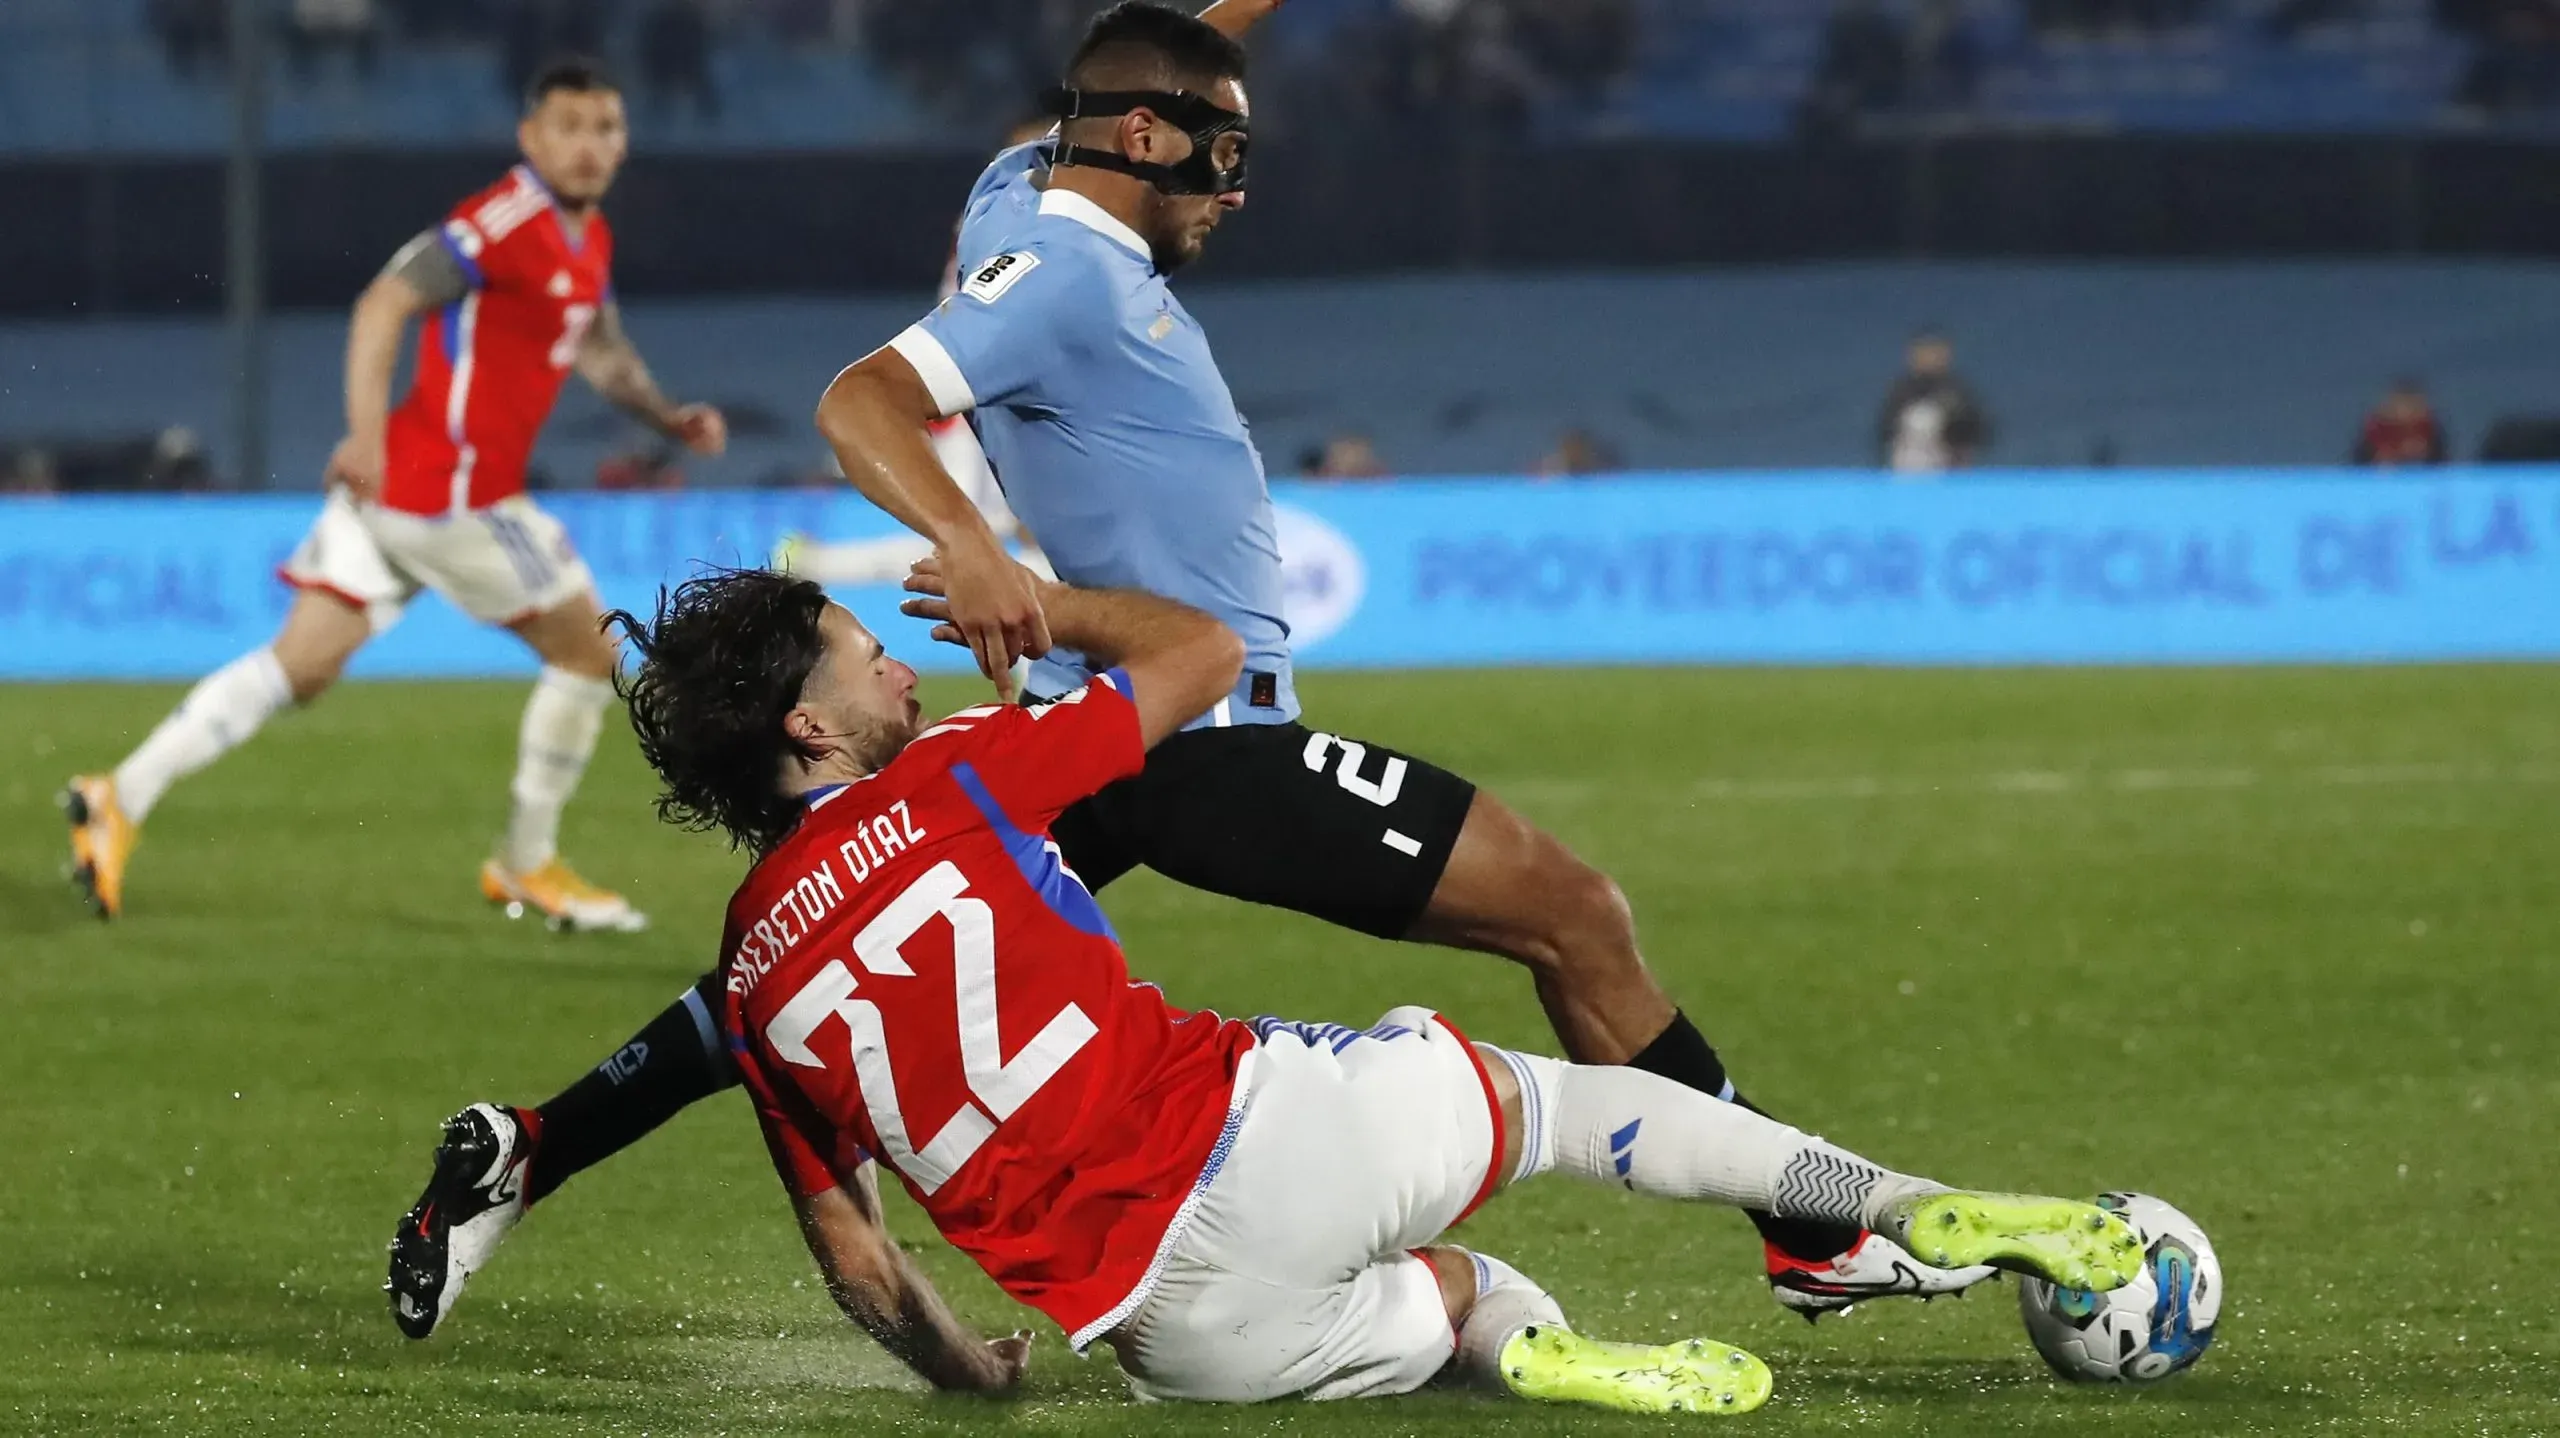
(309, 676)
(313, 656)
(1582, 926)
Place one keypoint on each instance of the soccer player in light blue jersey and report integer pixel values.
(1101, 407)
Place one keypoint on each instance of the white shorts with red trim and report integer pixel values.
(1293, 1275)
(507, 562)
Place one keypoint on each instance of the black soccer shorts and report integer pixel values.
(1349, 832)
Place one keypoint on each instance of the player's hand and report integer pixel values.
(995, 604)
(357, 465)
(1007, 1359)
(924, 578)
(703, 429)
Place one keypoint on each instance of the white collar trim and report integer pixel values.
(1095, 218)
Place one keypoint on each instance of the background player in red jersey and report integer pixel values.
(516, 290)
(913, 977)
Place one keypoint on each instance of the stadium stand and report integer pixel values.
(141, 76)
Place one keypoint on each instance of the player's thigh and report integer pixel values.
(1349, 832)
(505, 564)
(339, 557)
(1215, 1337)
(1355, 1144)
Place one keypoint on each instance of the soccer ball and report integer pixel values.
(2148, 1329)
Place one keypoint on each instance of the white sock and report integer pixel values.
(1627, 1127)
(561, 722)
(1506, 1302)
(216, 717)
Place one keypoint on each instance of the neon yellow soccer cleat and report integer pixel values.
(1556, 1365)
(102, 839)
(2067, 1244)
(565, 901)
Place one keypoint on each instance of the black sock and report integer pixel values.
(672, 1062)
(1682, 1054)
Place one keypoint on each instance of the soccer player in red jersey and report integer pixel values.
(914, 981)
(514, 290)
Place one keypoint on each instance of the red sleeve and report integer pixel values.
(1036, 760)
(791, 1135)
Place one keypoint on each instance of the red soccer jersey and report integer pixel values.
(490, 365)
(913, 975)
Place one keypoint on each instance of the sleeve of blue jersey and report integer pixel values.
(1000, 350)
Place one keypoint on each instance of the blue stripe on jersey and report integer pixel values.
(470, 266)
(452, 334)
(1065, 895)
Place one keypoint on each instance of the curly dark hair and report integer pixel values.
(720, 665)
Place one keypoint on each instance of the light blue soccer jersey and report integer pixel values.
(1103, 413)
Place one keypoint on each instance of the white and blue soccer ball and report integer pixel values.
(2152, 1327)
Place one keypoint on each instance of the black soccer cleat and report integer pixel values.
(474, 1198)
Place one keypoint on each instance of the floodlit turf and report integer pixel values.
(2278, 946)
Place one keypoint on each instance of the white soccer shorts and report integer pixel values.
(1293, 1276)
(501, 564)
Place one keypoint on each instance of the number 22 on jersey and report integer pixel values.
(997, 1088)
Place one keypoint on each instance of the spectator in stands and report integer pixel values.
(675, 57)
(30, 471)
(317, 26)
(177, 462)
(2402, 430)
(1579, 452)
(658, 466)
(1349, 455)
(1932, 421)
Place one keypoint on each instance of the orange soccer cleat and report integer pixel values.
(102, 839)
(565, 901)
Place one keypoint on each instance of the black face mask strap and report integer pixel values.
(1203, 120)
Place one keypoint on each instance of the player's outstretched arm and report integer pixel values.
(610, 363)
(874, 417)
(879, 1287)
(1232, 18)
(1179, 659)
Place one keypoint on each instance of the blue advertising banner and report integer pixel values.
(2024, 568)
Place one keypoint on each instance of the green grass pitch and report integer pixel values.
(2276, 945)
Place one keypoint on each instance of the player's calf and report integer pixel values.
(1631, 1129)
